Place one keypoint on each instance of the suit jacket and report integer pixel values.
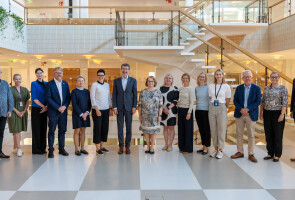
(127, 98)
(293, 98)
(254, 100)
(53, 99)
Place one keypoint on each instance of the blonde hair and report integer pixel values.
(186, 74)
(16, 75)
(223, 79)
(166, 77)
(198, 82)
(152, 77)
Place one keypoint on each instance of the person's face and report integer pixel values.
(58, 74)
(218, 76)
(80, 82)
(39, 74)
(17, 80)
(100, 77)
(185, 80)
(247, 78)
(168, 80)
(151, 82)
(125, 70)
(202, 78)
(274, 78)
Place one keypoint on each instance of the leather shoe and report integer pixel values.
(204, 152)
(200, 151)
(292, 159)
(237, 155)
(63, 152)
(127, 151)
(252, 158)
(267, 157)
(276, 160)
(2, 155)
(147, 151)
(120, 150)
(50, 154)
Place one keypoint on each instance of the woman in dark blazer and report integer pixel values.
(81, 108)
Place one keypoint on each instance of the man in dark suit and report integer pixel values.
(247, 99)
(57, 94)
(124, 104)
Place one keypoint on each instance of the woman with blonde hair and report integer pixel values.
(220, 95)
(272, 112)
(202, 110)
(170, 95)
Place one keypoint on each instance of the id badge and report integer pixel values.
(216, 103)
(21, 104)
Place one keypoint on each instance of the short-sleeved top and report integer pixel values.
(275, 97)
(224, 93)
(37, 92)
(202, 97)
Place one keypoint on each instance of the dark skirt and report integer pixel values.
(78, 121)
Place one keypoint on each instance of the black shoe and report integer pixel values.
(99, 152)
(268, 157)
(63, 152)
(50, 154)
(147, 151)
(43, 152)
(200, 151)
(152, 152)
(204, 152)
(105, 150)
(84, 151)
(2, 155)
(276, 160)
(77, 153)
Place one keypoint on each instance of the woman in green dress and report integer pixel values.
(19, 119)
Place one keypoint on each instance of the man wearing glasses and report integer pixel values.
(57, 94)
(247, 99)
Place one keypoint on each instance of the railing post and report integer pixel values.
(116, 29)
(123, 28)
(221, 54)
(170, 38)
(219, 11)
(157, 38)
(212, 11)
(289, 8)
(27, 15)
(126, 38)
(162, 38)
(9, 7)
(207, 59)
(265, 77)
(179, 21)
(246, 15)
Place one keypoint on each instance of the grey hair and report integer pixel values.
(57, 68)
(247, 71)
(274, 72)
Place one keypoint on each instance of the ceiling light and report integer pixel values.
(39, 57)
(277, 56)
(88, 56)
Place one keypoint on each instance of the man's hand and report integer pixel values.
(244, 111)
(9, 114)
(62, 109)
(133, 111)
(44, 109)
(115, 111)
(291, 114)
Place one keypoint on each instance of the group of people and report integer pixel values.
(166, 106)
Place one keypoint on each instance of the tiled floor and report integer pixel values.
(138, 176)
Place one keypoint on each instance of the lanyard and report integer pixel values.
(20, 95)
(216, 95)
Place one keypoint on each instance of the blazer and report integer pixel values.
(293, 97)
(53, 99)
(254, 100)
(127, 98)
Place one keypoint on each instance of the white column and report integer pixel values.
(189, 2)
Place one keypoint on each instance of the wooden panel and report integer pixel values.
(69, 76)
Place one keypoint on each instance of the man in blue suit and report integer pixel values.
(124, 104)
(247, 99)
(57, 94)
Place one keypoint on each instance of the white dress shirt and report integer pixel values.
(100, 96)
(59, 87)
(124, 82)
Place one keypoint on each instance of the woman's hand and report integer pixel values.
(188, 116)
(261, 116)
(44, 109)
(166, 111)
(19, 114)
(98, 113)
(139, 117)
(281, 118)
(84, 116)
(291, 114)
(159, 118)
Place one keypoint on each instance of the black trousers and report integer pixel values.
(204, 126)
(39, 130)
(2, 128)
(185, 131)
(120, 124)
(273, 132)
(100, 126)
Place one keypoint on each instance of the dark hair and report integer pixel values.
(39, 69)
(125, 64)
(101, 71)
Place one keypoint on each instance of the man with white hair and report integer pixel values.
(6, 107)
(247, 99)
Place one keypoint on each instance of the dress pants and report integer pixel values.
(120, 123)
(273, 132)
(100, 126)
(218, 124)
(2, 128)
(59, 120)
(204, 126)
(185, 131)
(39, 130)
(250, 125)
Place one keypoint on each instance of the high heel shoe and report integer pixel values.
(164, 148)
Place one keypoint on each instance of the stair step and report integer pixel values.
(208, 67)
(185, 44)
(191, 39)
(234, 86)
(230, 79)
(198, 33)
(187, 53)
(203, 29)
(198, 60)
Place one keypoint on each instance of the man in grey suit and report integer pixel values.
(124, 104)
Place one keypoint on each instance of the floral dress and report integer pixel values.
(150, 102)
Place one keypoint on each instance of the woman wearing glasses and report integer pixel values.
(272, 112)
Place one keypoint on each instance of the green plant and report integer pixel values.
(18, 25)
(3, 20)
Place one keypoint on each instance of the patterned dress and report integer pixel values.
(170, 95)
(150, 102)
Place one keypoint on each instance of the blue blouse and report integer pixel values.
(37, 92)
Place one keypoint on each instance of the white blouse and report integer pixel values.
(224, 93)
(100, 96)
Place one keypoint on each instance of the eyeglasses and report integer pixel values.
(100, 75)
(247, 77)
(58, 72)
(274, 77)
